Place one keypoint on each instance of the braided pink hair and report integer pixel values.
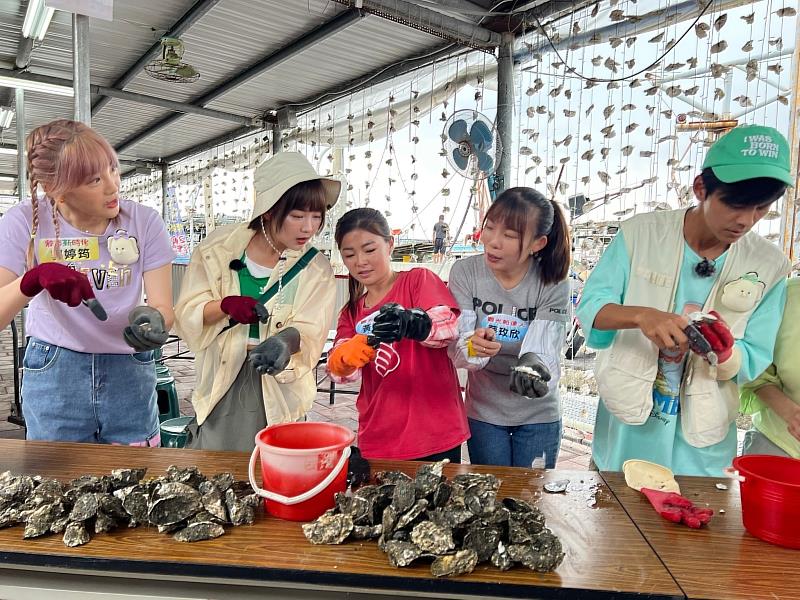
(62, 155)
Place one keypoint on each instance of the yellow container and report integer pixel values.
(406, 258)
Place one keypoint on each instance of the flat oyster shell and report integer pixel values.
(393, 477)
(501, 558)
(401, 554)
(412, 514)
(104, 522)
(543, 555)
(404, 496)
(328, 529)
(76, 535)
(85, 507)
(122, 478)
(366, 532)
(41, 520)
(173, 502)
(483, 540)
(197, 532)
(213, 501)
(460, 563)
(134, 500)
(240, 512)
(429, 537)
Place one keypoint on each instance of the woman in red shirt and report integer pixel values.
(409, 406)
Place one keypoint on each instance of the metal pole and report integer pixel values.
(164, 182)
(505, 109)
(22, 177)
(80, 68)
(789, 215)
(276, 138)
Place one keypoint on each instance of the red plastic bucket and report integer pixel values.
(770, 489)
(302, 466)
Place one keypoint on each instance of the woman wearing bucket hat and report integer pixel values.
(255, 307)
(668, 395)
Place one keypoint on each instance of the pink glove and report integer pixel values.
(243, 309)
(718, 335)
(61, 282)
(674, 507)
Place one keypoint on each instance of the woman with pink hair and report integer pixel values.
(82, 257)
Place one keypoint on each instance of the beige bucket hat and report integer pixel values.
(280, 173)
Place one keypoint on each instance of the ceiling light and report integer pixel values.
(36, 86)
(7, 178)
(7, 150)
(37, 20)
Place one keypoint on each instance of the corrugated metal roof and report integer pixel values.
(227, 40)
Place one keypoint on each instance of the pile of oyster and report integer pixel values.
(456, 523)
(183, 502)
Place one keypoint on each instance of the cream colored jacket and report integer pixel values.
(626, 371)
(306, 303)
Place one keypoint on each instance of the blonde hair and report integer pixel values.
(62, 155)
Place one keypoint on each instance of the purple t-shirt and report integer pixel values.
(118, 286)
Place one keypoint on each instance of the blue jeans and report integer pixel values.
(514, 446)
(71, 396)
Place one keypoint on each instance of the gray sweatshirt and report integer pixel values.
(531, 317)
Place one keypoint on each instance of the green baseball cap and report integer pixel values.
(750, 151)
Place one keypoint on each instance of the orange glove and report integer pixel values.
(350, 355)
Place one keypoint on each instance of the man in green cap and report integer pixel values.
(667, 397)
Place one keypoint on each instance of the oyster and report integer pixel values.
(461, 562)
(202, 530)
(85, 507)
(173, 502)
(404, 496)
(212, 501)
(41, 520)
(429, 537)
(75, 534)
(330, 529)
(121, 478)
(401, 554)
(483, 540)
(393, 477)
(414, 513)
(239, 511)
(366, 532)
(501, 559)
(556, 487)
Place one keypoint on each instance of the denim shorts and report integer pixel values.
(514, 446)
(72, 396)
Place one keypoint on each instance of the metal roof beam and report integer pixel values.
(431, 22)
(24, 51)
(192, 16)
(179, 107)
(350, 87)
(212, 143)
(335, 25)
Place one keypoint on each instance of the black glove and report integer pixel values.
(147, 330)
(532, 385)
(394, 323)
(272, 355)
(358, 469)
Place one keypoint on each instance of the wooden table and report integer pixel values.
(605, 555)
(719, 561)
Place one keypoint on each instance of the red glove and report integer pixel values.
(241, 308)
(674, 507)
(61, 282)
(718, 335)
